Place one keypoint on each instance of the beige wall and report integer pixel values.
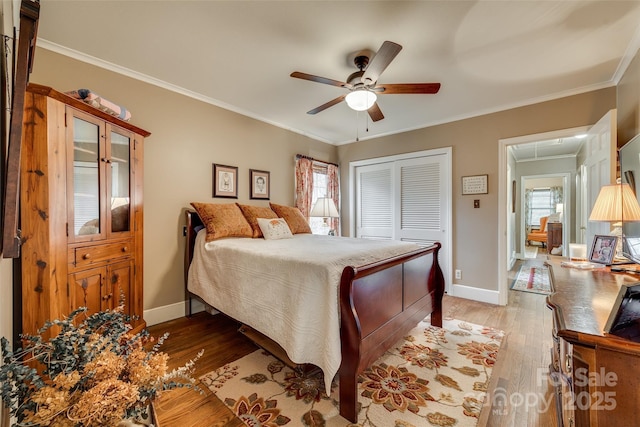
(475, 152)
(187, 136)
(628, 91)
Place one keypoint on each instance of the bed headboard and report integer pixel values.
(194, 223)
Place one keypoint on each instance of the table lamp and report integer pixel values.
(615, 204)
(325, 208)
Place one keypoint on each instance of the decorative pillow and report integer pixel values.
(222, 220)
(296, 221)
(100, 103)
(252, 213)
(274, 228)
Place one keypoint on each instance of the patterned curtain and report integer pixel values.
(556, 197)
(333, 191)
(527, 210)
(304, 185)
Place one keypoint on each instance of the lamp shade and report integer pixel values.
(360, 99)
(616, 203)
(325, 208)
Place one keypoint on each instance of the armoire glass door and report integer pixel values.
(87, 152)
(118, 174)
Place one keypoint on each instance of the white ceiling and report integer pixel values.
(548, 149)
(488, 55)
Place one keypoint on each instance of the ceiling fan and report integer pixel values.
(363, 84)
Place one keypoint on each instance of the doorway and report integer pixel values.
(556, 189)
(599, 159)
(510, 210)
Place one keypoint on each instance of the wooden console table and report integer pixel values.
(554, 235)
(596, 375)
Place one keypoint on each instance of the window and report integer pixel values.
(315, 179)
(320, 188)
(541, 204)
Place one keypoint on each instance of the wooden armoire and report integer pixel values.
(81, 217)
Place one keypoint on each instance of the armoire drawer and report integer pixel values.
(89, 255)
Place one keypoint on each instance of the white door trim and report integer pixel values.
(448, 220)
(504, 187)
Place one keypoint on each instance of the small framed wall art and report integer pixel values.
(476, 184)
(225, 181)
(260, 184)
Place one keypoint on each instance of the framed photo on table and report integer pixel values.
(260, 184)
(225, 181)
(603, 249)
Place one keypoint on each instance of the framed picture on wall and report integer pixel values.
(476, 184)
(603, 249)
(225, 181)
(260, 183)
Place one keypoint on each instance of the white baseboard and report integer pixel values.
(165, 313)
(476, 294)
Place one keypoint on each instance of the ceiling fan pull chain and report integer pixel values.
(357, 127)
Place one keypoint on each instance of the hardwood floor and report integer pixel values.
(519, 394)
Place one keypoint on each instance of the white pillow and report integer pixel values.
(274, 228)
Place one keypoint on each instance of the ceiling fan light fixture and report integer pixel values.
(360, 99)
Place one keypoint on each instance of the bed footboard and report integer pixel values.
(379, 304)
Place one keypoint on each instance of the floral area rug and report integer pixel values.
(435, 376)
(532, 279)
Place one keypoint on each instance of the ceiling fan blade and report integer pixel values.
(324, 80)
(392, 89)
(380, 62)
(375, 113)
(327, 105)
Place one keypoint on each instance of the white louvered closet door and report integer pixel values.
(374, 201)
(406, 199)
(419, 206)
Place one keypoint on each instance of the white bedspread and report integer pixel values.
(286, 289)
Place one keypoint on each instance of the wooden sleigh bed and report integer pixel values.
(378, 304)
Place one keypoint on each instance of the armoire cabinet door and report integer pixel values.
(120, 277)
(102, 288)
(118, 167)
(86, 289)
(100, 175)
(86, 176)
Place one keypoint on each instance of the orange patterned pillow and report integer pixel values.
(222, 220)
(252, 213)
(297, 222)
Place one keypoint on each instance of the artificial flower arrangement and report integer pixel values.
(92, 372)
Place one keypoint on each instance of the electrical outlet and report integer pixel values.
(458, 274)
